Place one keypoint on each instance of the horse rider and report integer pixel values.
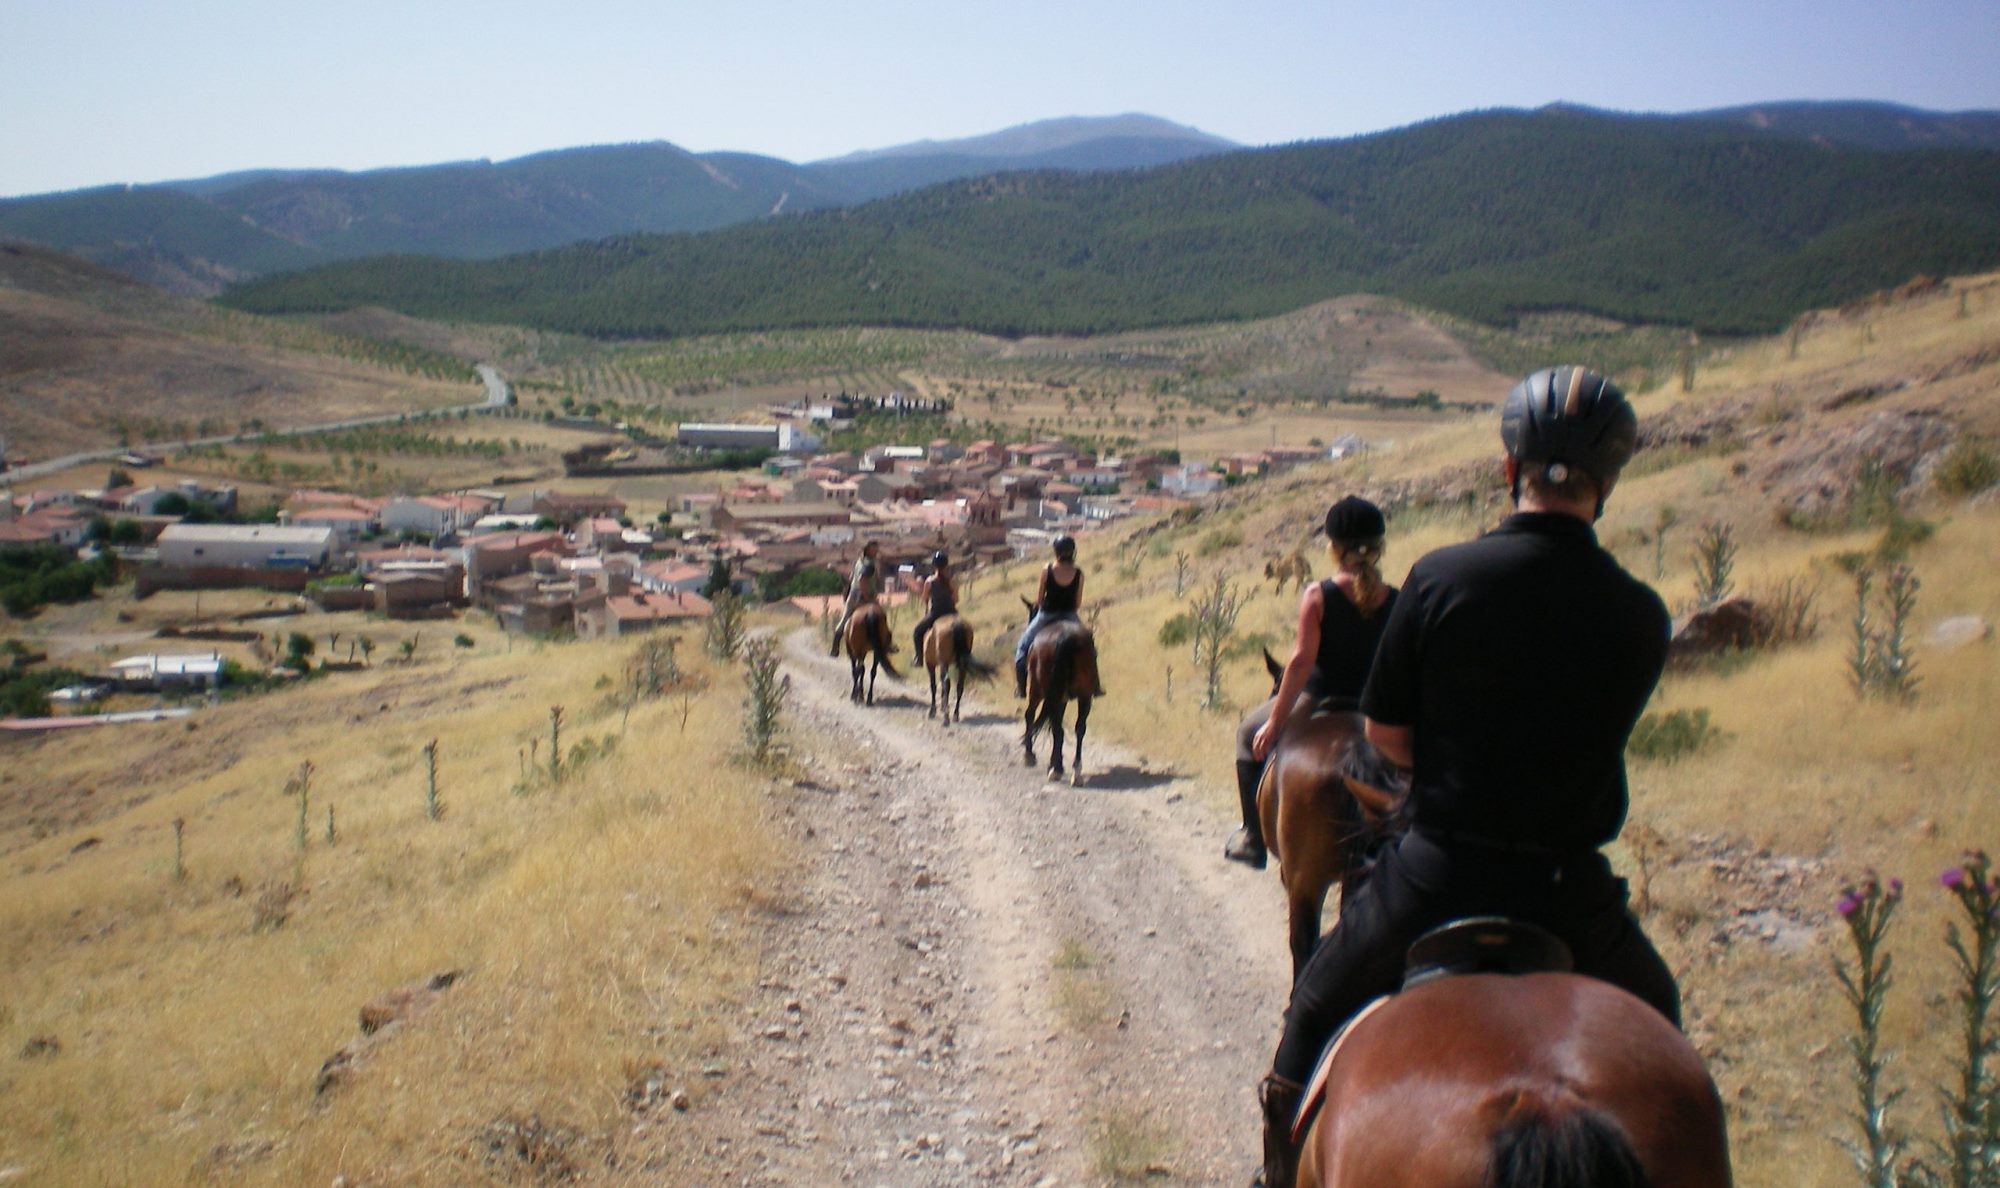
(940, 597)
(1340, 622)
(1060, 596)
(863, 587)
(1509, 676)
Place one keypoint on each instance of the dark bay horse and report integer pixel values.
(1553, 1080)
(948, 648)
(1062, 667)
(1320, 822)
(868, 631)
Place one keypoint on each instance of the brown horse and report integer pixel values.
(948, 648)
(1490, 1081)
(868, 631)
(1062, 667)
(1320, 822)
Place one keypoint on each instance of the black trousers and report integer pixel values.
(924, 628)
(1422, 883)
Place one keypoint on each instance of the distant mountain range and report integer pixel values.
(198, 236)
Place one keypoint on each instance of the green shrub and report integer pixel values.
(1672, 736)
(1219, 541)
(1967, 468)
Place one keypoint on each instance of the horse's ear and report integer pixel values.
(1375, 803)
(1272, 666)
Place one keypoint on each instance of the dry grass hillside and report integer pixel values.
(90, 359)
(164, 1026)
(1743, 847)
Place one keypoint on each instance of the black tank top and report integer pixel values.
(941, 600)
(1061, 599)
(1346, 644)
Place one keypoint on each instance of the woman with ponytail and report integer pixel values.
(1340, 622)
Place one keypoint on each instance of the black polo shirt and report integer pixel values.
(1521, 660)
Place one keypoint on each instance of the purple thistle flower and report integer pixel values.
(1849, 904)
(1952, 879)
(1895, 886)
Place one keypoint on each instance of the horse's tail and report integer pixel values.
(1554, 1144)
(1061, 674)
(961, 646)
(879, 636)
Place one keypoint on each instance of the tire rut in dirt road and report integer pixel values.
(989, 978)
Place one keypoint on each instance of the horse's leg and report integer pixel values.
(1056, 737)
(958, 707)
(1307, 900)
(947, 694)
(854, 664)
(947, 691)
(874, 670)
(1082, 717)
(1028, 731)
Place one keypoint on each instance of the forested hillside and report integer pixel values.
(1708, 225)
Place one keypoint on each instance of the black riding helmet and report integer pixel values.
(1065, 548)
(1355, 521)
(940, 559)
(1569, 418)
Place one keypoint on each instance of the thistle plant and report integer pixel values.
(1879, 663)
(1214, 621)
(1867, 910)
(555, 743)
(1714, 564)
(767, 694)
(433, 809)
(1968, 1155)
(300, 785)
(1970, 1152)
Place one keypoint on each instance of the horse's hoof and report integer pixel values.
(1076, 779)
(1029, 761)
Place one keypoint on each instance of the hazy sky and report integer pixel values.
(97, 91)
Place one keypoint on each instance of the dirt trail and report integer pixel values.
(984, 977)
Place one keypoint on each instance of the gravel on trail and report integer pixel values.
(983, 977)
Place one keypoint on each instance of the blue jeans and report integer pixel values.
(1035, 625)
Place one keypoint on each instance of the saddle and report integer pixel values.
(1475, 945)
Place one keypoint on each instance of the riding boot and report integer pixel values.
(1020, 678)
(1280, 1099)
(1246, 845)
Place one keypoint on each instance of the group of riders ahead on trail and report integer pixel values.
(1504, 678)
(1495, 691)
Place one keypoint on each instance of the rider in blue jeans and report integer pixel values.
(1059, 597)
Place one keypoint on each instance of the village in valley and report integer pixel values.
(550, 563)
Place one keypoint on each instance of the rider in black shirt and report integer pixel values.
(1509, 676)
(940, 598)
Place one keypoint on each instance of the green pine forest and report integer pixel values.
(1488, 216)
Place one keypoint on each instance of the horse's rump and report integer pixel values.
(1492, 1081)
(1062, 664)
(869, 630)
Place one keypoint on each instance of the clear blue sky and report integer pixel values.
(97, 91)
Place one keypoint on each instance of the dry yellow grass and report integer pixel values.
(595, 922)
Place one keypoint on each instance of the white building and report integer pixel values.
(785, 439)
(245, 546)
